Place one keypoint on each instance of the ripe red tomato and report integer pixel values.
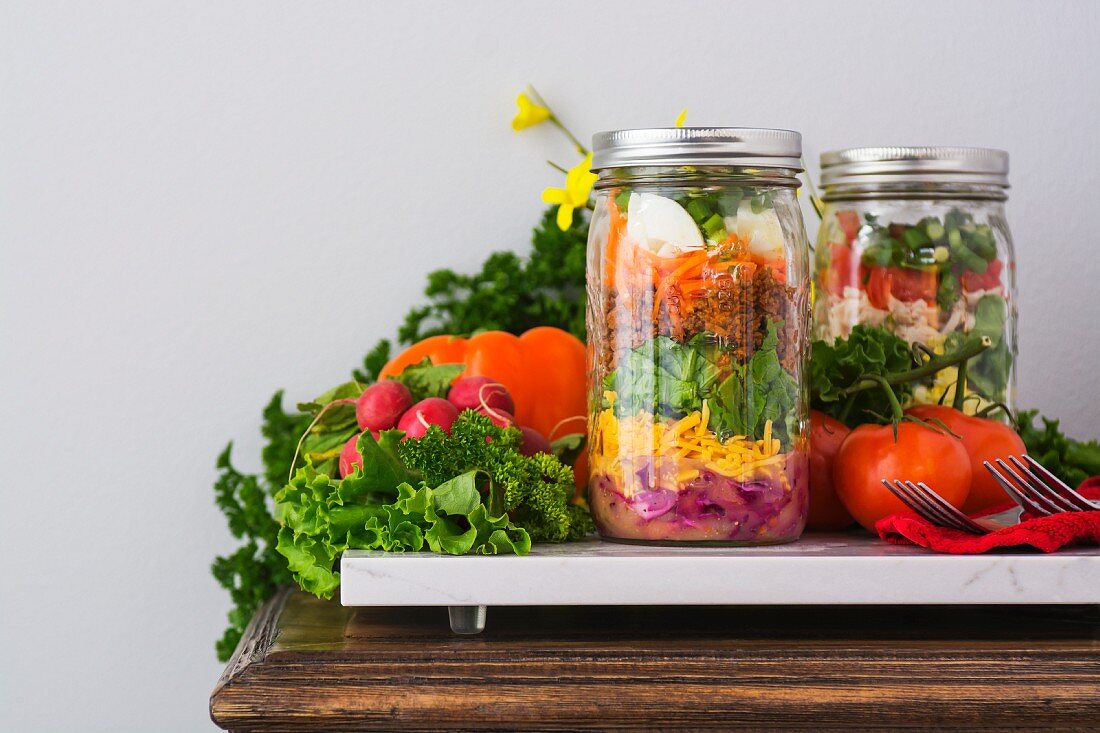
(987, 280)
(909, 284)
(984, 440)
(870, 454)
(826, 511)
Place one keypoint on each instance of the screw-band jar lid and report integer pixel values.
(884, 165)
(697, 146)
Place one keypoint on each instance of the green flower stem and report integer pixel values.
(557, 167)
(814, 200)
(557, 122)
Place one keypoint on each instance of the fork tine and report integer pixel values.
(1040, 487)
(1023, 500)
(914, 502)
(1049, 506)
(945, 518)
(961, 520)
(1060, 486)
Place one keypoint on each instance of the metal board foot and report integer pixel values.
(467, 619)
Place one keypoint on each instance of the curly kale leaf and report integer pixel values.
(281, 430)
(535, 489)
(1071, 460)
(373, 362)
(835, 366)
(253, 572)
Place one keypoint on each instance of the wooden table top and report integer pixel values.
(307, 665)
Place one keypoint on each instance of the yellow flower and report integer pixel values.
(578, 186)
(530, 113)
(681, 117)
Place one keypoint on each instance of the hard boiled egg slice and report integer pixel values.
(761, 232)
(661, 225)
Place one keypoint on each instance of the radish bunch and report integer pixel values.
(388, 405)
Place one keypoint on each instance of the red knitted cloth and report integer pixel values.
(1042, 533)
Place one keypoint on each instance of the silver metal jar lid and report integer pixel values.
(701, 146)
(875, 166)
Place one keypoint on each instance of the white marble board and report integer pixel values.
(841, 568)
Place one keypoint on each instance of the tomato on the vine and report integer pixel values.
(870, 454)
(984, 440)
(826, 511)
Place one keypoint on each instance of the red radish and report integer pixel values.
(349, 457)
(432, 411)
(481, 394)
(500, 418)
(533, 442)
(382, 404)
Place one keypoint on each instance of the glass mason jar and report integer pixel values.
(915, 240)
(698, 326)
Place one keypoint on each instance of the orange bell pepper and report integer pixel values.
(543, 370)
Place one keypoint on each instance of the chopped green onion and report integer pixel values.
(699, 211)
(914, 238)
(969, 260)
(954, 239)
(940, 254)
(983, 244)
(933, 229)
(714, 226)
(948, 291)
(622, 200)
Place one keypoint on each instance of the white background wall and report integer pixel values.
(203, 202)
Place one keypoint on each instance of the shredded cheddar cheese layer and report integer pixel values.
(678, 448)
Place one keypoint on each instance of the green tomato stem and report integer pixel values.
(960, 386)
(895, 405)
(930, 367)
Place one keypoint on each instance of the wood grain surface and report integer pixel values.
(309, 665)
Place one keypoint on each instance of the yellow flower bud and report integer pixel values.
(529, 114)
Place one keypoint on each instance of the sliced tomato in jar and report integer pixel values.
(878, 287)
(909, 284)
(840, 273)
(987, 280)
(849, 224)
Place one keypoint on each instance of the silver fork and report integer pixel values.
(937, 510)
(1038, 490)
(1041, 497)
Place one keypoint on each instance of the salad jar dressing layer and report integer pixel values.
(698, 324)
(914, 240)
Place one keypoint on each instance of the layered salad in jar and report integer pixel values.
(697, 342)
(934, 281)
